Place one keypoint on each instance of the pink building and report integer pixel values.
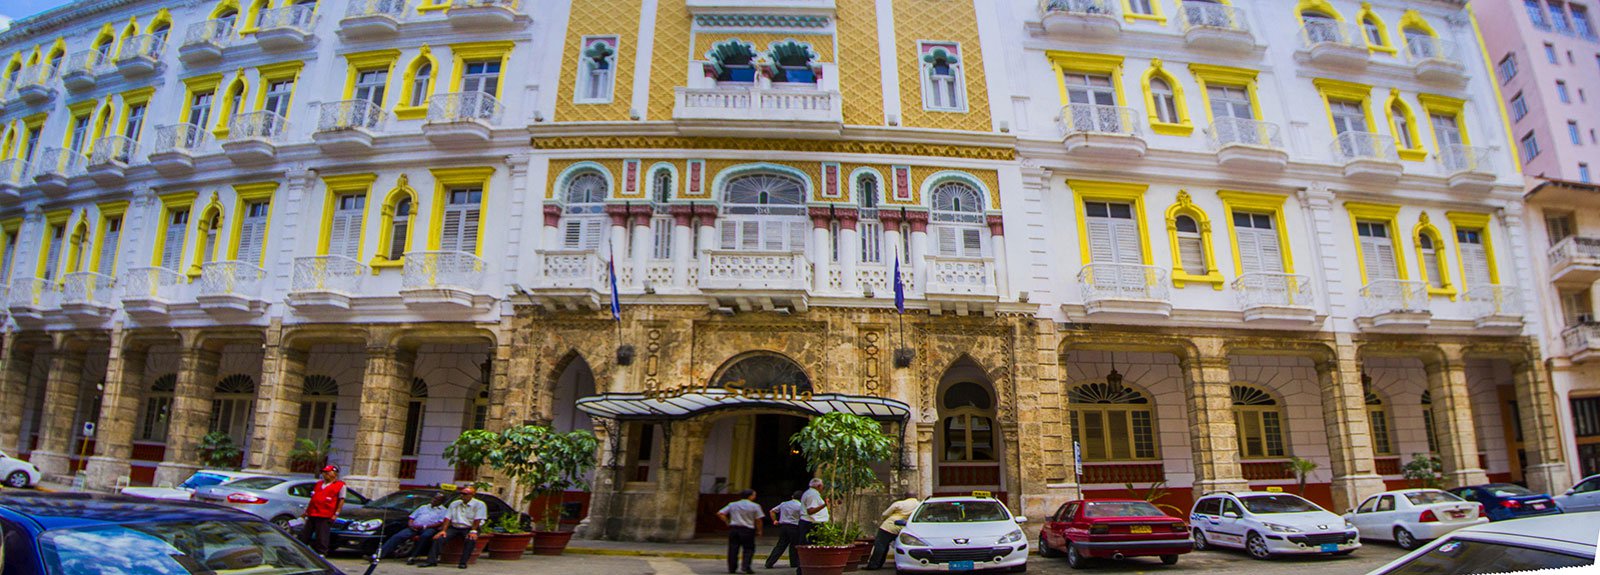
(1547, 55)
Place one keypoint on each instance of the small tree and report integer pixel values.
(473, 448)
(841, 448)
(1301, 468)
(217, 450)
(1425, 469)
(544, 461)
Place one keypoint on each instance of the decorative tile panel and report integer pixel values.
(618, 18)
(860, 70)
(940, 21)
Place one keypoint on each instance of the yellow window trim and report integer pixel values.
(130, 99)
(1445, 106)
(368, 61)
(1389, 214)
(73, 254)
(1183, 127)
(1499, 99)
(213, 209)
(1258, 203)
(1185, 207)
(344, 185)
(224, 106)
(169, 204)
(402, 190)
(198, 85)
(1155, 15)
(1320, 6)
(1208, 74)
(100, 125)
(1366, 14)
(1480, 222)
(1413, 20)
(1113, 192)
(244, 195)
(1415, 153)
(1425, 227)
(1350, 91)
(478, 52)
(252, 15)
(222, 7)
(278, 72)
(108, 210)
(427, 6)
(128, 31)
(443, 180)
(30, 124)
(1087, 63)
(52, 220)
(162, 16)
(404, 111)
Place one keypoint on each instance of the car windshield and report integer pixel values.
(1122, 509)
(254, 482)
(403, 500)
(1428, 497)
(1264, 504)
(1507, 490)
(176, 548)
(1464, 557)
(960, 512)
(202, 479)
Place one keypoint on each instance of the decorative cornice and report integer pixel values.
(755, 144)
(761, 21)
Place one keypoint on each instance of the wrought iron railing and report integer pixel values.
(1573, 248)
(232, 278)
(1318, 32)
(1106, 281)
(12, 171)
(297, 17)
(142, 46)
(1095, 118)
(1216, 16)
(35, 75)
(33, 292)
(1381, 297)
(1494, 300)
(262, 124)
(89, 288)
(1456, 159)
(349, 114)
(57, 161)
(1267, 289)
(118, 149)
(180, 137)
(1227, 131)
(1424, 48)
(1099, 7)
(440, 269)
(88, 62)
(960, 275)
(1351, 146)
(361, 8)
(218, 32)
(329, 273)
(465, 107)
(151, 283)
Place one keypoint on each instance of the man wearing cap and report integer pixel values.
(422, 525)
(465, 515)
(327, 499)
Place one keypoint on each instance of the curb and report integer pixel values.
(639, 553)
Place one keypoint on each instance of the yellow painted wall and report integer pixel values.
(860, 72)
(671, 57)
(618, 18)
(941, 21)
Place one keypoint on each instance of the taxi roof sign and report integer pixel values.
(982, 495)
(1274, 489)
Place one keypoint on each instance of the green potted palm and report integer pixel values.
(544, 462)
(841, 449)
(511, 537)
(217, 450)
(308, 456)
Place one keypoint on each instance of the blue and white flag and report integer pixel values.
(899, 288)
(611, 270)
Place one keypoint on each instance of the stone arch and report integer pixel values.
(720, 182)
(558, 191)
(969, 444)
(762, 370)
(572, 379)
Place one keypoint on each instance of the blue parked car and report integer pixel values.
(78, 533)
(1508, 501)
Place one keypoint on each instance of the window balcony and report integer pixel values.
(56, 167)
(1436, 61)
(960, 284)
(470, 15)
(88, 296)
(1334, 44)
(1575, 262)
(84, 70)
(756, 109)
(1276, 300)
(879, 278)
(1468, 168)
(231, 288)
(1582, 342)
(31, 298)
(204, 42)
(141, 55)
(1125, 291)
(462, 118)
(149, 293)
(572, 279)
(253, 138)
(1495, 308)
(36, 85)
(1101, 131)
(1367, 157)
(349, 126)
(445, 282)
(176, 148)
(287, 28)
(1215, 27)
(1081, 18)
(1249, 145)
(750, 280)
(108, 165)
(1395, 305)
(372, 19)
(323, 284)
(12, 172)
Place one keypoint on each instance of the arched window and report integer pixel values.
(732, 61)
(1432, 263)
(1420, 44)
(967, 420)
(941, 73)
(1427, 421)
(596, 72)
(102, 49)
(764, 211)
(958, 221)
(1112, 422)
(56, 55)
(78, 247)
(232, 104)
(157, 409)
(232, 403)
(1165, 101)
(416, 409)
(1404, 132)
(399, 230)
(792, 61)
(1260, 422)
(1373, 31)
(584, 207)
(871, 229)
(1191, 249)
(661, 214)
(319, 401)
(159, 36)
(421, 84)
(1377, 419)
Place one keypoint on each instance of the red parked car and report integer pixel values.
(1113, 529)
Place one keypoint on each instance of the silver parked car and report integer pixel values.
(1585, 496)
(185, 491)
(1515, 545)
(275, 499)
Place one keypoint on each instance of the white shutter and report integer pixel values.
(210, 252)
(797, 235)
(450, 230)
(53, 256)
(1475, 262)
(1259, 250)
(1191, 255)
(471, 214)
(871, 242)
(1249, 252)
(253, 234)
(750, 236)
(772, 235)
(344, 235)
(1430, 263)
(108, 246)
(972, 242)
(1101, 246)
(1378, 254)
(730, 234)
(661, 230)
(572, 236)
(1125, 235)
(948, 242)
(172, 246)
(5, 261)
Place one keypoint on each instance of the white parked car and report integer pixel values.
(16, 472)
(184, 490)
(1515, 545)
(1410, 517)
(1266, 524)
(961, 534)
(1585, 496)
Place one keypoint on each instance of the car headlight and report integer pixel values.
(1349, 525)
(368, 525)
(911, 540)
(1276, 528)
(1014, 536)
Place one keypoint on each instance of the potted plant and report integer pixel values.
(1301, 468)
(217, 450)
(1424, 469)
(546, 463)
(451, 553)
(308, 456)
(841, 449)
(511, 537)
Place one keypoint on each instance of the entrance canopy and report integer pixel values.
(685, 404)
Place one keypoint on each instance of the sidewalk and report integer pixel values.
(709, 547)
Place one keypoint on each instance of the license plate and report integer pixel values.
(1457, 514)
(1139, 529)
(1538, 507)
(1330, 547)
(960, 565)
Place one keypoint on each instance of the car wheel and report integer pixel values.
(1200, 543)
(1404, 539)
(1074, 559)
(282, 521)
(1169, 559)
(17, 479)
(1257, 546)
(1045, 550)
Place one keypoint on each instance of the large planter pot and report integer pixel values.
(824, 560)
(859, 554)
(451, 553)
(550, 542)
(508, 546)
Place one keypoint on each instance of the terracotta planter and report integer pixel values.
(451, 553)
(508, 546)
(550, 542)
(863, 551)
(821, 560)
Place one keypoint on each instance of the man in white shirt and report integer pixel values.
(786, 517)
(424, 523)
(743, 517)
(888, 530)
(816, 509)
(465, 515)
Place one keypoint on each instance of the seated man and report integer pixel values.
(424, 523)
(466, 514)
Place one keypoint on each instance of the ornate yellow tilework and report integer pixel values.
(672, 51)
(618, 18)
(943, 21)
(611, 165)
(860, 72)
(774, 145)
(822, 44)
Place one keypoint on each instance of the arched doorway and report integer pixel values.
(967, 442)
(749, 448)
(576, 380)
(232, 408)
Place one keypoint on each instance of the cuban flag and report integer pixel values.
(611, 271)
(899, 288)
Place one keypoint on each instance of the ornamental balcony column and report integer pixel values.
(191, 410)
(1344, 417)
(1452, 414)
(58, 422)
(708, 230)
(682, 242)
(997, 243)
(551, 238)
(891, 236)
(1212, 431)
(618, 242)
(381, 424)
(277, 417)
(643, 246)
(819, 252)
(1545, 468)
(17, 357)
(849, 250)
(119, 413)
(918, 222)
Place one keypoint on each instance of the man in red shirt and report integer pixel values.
(327, 499)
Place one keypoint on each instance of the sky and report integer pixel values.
(16, 9)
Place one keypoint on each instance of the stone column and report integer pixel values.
(15, 365)
(849, 250)
(1452, 417)
(57, 425)
(381, 428)
(918, 222)
(1344, 416)
(891, 236)
(682, 245)
(552, 230)
(277, 417)
(119, 413)
(1545, 469)
(643, 245)
(617, 245)
(821, 249)
(997, 246)
(191, 412)
(1212, 433)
